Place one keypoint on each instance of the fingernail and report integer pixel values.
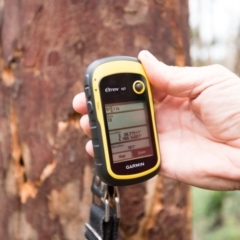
(147, 54)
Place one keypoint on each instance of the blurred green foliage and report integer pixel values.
(216, 215)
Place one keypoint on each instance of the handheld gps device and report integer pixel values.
(122, 123)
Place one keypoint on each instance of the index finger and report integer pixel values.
(79, 103)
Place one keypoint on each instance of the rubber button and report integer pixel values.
(87, 92)
(90, 107)
(94, 132)
(86, 79)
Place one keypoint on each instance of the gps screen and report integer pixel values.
(128, 131)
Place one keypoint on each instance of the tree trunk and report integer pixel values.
(45, 173)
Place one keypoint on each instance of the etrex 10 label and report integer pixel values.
(108, 89)
(128, 131)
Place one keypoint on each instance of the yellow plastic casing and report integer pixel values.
(99, 73)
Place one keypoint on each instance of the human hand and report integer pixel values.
(198, 119)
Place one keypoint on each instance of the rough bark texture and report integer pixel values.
(45, 174)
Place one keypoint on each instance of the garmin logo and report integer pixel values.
(135, 165)
(111, 89)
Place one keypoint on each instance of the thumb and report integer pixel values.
(180, 81)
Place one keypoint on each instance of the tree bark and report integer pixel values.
(45, 173)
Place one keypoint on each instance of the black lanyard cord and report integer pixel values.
(104, 217)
